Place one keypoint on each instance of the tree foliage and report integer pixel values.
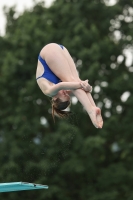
(76, 160)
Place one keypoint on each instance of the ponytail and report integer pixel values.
(58, 107)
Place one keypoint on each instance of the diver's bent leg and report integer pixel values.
(71, 64)
(92, 111)
(54, 57)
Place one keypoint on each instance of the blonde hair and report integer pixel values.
(57, 108)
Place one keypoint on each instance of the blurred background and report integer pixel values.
(77, 161)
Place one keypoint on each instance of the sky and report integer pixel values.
(20, 6)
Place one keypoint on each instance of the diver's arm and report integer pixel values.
(53, 90)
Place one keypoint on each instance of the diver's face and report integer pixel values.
(63, 96)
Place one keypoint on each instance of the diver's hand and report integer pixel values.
(86, 86)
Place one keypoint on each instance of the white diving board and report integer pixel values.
(19, 186)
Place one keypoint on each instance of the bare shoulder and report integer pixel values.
(44, 85)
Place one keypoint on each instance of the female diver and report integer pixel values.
(57, 77)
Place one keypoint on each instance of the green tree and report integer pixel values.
(76, 160)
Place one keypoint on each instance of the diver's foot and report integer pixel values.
(99, 117)
(96, 118)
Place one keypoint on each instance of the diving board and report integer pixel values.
(19, 186)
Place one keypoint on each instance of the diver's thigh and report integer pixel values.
(58, 63)
(72, 65)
